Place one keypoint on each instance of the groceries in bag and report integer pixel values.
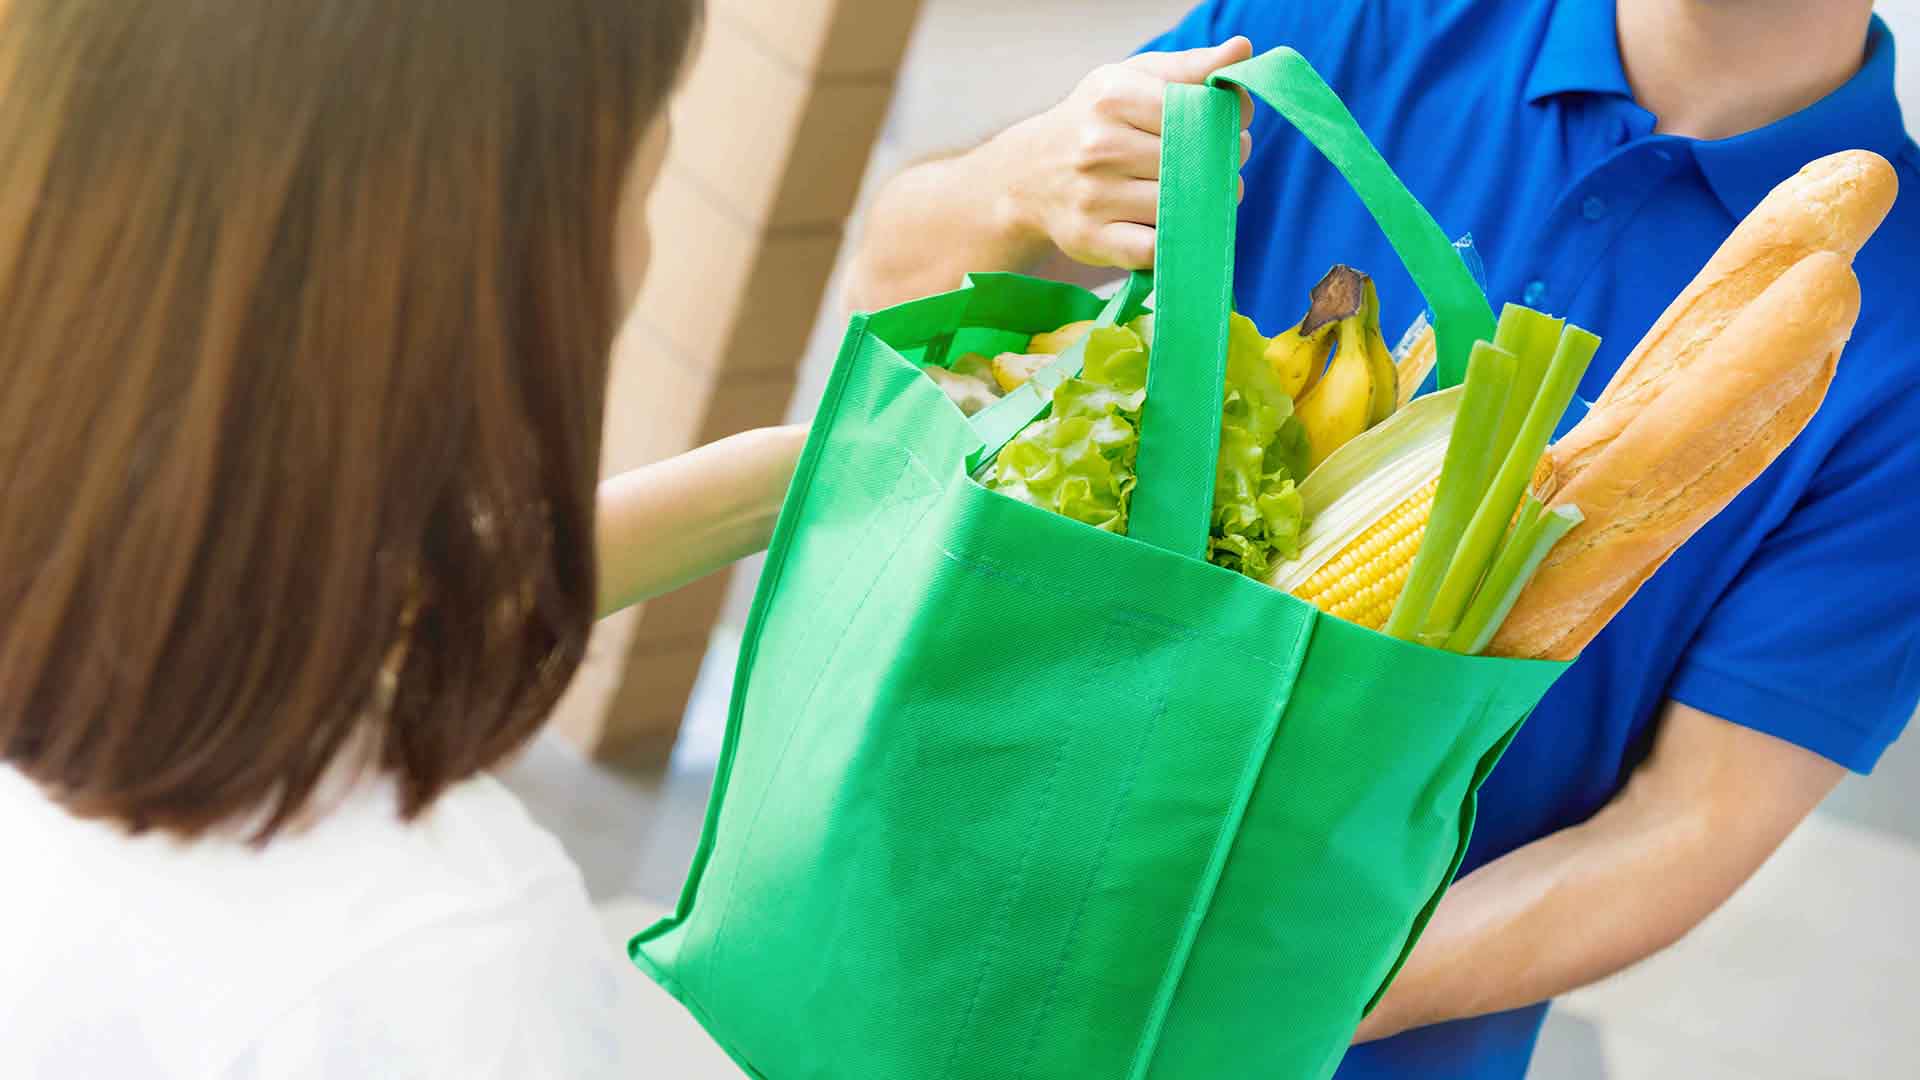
(1725, 381)
(1449, 521)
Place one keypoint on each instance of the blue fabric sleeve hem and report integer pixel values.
(1839, 738)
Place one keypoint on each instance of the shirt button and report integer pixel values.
(1536, 291)
(1594, 208)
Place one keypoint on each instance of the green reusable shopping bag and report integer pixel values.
(1005, 796)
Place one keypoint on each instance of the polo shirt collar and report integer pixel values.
(1580, 53)
(1863, 114)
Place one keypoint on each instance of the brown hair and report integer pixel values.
(305, 311)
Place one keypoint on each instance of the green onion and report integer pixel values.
(1530, 509)
(1496, 510)
(1519, 559)
(1531, 338)
(1463, 477)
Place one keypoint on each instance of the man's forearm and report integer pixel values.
(664, 525)
(1556, 915)
(938, 221)
(1697, 820)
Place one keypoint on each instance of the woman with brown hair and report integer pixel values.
(305, 315)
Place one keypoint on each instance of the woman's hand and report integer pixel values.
(664, 525)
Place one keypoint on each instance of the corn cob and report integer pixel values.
(1362, 582)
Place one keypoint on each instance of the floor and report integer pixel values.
(1812, 971)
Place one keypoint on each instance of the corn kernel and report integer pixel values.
(1362, 583)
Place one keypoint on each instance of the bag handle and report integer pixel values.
(1172, 504)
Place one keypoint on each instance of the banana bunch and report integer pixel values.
(1336, 364)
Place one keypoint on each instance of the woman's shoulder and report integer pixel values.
(529, 990)
(358, 930)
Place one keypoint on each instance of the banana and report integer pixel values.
(1298, 359)
(1340, 405)
(1299, 356)
(1060, 340)
(1386, 377)
(1361, 386)
(1012, 370)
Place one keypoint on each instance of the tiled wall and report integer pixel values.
(772, 132)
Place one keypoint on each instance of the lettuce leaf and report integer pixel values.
(1079, 459)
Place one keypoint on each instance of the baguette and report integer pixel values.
(1749, 391)
(1833, 204)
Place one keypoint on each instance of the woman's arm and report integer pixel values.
(667, 524)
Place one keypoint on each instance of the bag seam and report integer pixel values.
(717, 943)
(799, 493)
(1003, 919)
(1120, 803)
(1149, 1045)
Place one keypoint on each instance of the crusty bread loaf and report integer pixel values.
(1685, 453)
(1833, 204)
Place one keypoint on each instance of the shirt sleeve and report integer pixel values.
(1818, 640)
(526, 991)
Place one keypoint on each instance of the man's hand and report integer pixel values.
(1700, 815)
(1081, 179)
(1088, 175)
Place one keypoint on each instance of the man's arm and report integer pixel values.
(664, 525)
(1081, 179)
(1704, 811)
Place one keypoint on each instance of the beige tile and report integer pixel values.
(746, 401)
(731, 298)
(833, 38)
(682, 616)
(581, 714)
(656, 400)
(774, 146)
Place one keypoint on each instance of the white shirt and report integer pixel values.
(461, 946)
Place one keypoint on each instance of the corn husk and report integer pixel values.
(1363, 481)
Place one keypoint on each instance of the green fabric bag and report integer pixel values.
(1006, 796)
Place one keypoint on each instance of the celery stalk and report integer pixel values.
(1531, 337)
(1496, 510)
(1530, 509)
(1513, 569)
(1463, 475)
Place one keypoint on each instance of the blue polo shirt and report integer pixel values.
(1796, 612)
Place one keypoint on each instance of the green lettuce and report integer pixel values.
(1079, 459)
